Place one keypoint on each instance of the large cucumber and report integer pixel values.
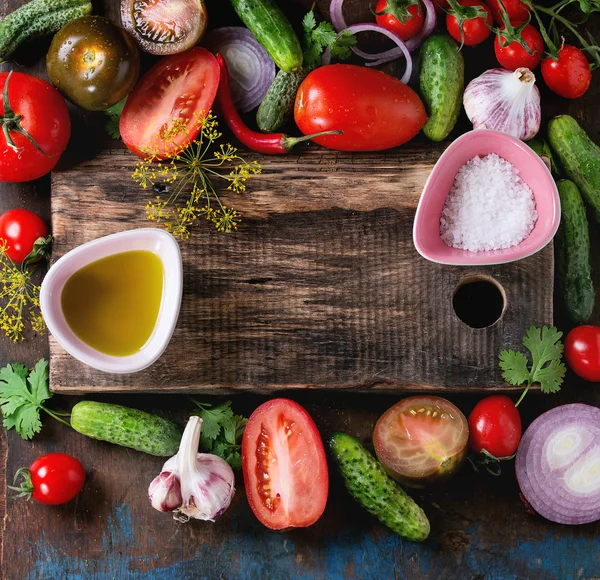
(38, 18)
(579, 156)
(126, 427)
(278, 104)
(273, 30)
(376, 491)
(442, 84)
(573, 254)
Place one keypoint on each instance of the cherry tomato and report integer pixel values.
(284, 466)
(52, 479)
(164, 111)
(495, 425)
(34, 107)
(20, 228)
(374, 110)
(404, 17)
(421, 440)
(514, 56)
(582, 351)
(569, 76)
(474, 15)
(516, 10)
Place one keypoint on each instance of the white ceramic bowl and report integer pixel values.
(166, 248)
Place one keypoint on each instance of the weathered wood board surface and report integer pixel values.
(320, 287)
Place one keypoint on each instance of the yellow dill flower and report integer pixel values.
(190, 179)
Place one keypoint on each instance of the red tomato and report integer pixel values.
(284, 466)
(421, 440)
(582, 351)
(514, 56)
(20, 228)
(570, 75)
(34, 107)
(517, 11)
(474, 16)
(396, 16)
(374, 110)
(53, 479)
(495, 425)
(163, 113)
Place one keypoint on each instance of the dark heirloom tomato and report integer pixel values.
(165, 110)
(93, 63)
(421, 440)
(284, 466)
(374, 110)
(164, 26)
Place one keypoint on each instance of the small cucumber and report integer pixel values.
(579, 156)
(573, 254)
(376, 491)
(273, 30)
(38, 18)
(278, 104)
(442, 83)
(126, 427)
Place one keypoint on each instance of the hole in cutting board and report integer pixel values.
(479, 301)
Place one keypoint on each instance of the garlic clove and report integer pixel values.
(164, 492)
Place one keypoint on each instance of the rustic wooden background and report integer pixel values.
(480, 528)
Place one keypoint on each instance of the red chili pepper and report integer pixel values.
(269, 143)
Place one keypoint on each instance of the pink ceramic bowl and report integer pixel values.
(426, 230)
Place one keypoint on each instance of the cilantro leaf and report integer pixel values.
(22, 395)
(342, 47)
(221, 431)
(309, 22)
(547, 368)
(318, 37)
(114, 117)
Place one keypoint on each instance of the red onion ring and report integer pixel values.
(251, 69)
(355, 28)
(551, 461)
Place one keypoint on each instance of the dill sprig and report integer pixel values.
(22, 297)
(185, 184)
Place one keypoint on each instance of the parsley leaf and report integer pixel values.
(22, 395)
(342, 48)
(114, 117)
(221, 431)
(547, 367)
(317, 37)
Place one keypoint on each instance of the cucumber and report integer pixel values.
(573, 254)
(442, 84)
(126, 427)
(579, 156)
(38, 18)
(273, 30)
(376, 491)
(278, 104)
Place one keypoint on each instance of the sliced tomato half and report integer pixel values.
(421, 440)
(284, 466)
(164, 111)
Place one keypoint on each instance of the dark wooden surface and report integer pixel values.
(321, 287)
(480, 529)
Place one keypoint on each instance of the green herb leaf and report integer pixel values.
(547, 369)
(22, 395)
(317, 37)
(114, 117)
(342, 47)
(221, 431)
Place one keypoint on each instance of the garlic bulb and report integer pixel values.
(194, 485)
(506, 101)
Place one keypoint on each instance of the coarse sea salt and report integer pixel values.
(489, 206)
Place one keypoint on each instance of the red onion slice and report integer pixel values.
(558, 464)
(251, 69)
(356, 28)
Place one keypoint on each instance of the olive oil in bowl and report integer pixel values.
(112, 304)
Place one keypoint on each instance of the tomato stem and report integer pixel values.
(26, 487)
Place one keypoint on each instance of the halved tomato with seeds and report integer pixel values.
(164, 26)
(284, 466)
(164, 111)
(421, 440)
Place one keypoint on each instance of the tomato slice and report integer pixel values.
(284, 466)
(421, 440)
(164, 111)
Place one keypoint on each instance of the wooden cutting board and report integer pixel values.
(321, 286)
